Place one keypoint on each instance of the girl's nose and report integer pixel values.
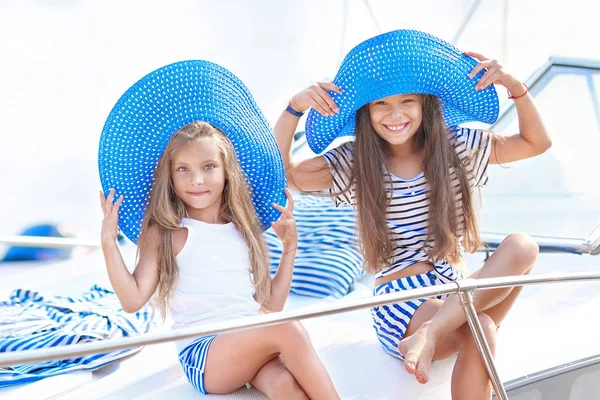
(198, 178)
(397, 111)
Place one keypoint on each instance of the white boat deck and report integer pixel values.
(533, 338)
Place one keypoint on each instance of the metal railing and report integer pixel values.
(589, 245)
(463, 288)
(46, 242)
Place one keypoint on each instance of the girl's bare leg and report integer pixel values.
(235, 358)
(470, 380)
(433, 330)
(277, 382)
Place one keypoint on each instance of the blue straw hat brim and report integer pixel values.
(403, 62)
(164, 101)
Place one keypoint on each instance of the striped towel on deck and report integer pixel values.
(29, 320)
(328, 260)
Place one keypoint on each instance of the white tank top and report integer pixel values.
(215, 282)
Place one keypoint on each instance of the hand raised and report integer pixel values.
(316, 96)
(110, 223)
(285, 226)
(495, 74)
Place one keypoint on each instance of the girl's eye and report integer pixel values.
(182, 169)
(408, 100)
(209, 166)
(380, 103)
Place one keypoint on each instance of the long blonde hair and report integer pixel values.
(165, 211)
(371, 155)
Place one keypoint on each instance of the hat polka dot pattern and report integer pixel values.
(402, 62)
(164, 101)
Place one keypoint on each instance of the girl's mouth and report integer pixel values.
(397, 128)
(197, 193)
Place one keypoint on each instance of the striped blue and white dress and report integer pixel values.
(407, 219)
(30, 320)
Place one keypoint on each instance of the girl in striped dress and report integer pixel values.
(410, 173)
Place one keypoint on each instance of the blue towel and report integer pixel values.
(328, 261)
(29, 320)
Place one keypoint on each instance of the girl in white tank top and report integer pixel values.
(200, 248)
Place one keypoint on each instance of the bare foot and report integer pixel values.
(418, 350)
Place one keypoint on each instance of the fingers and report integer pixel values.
(328, 100)
(479, 66)
(290, 200)
(489, 65)
(330, 86)
(102, 201)
(487, 79)
(320, 102)
(475, 55)
(107, 203)
(285, 213)
(285, 230)
(284, 222)
(476, 70)
(319, 105)
(118, 204)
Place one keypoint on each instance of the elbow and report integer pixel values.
(131, 308)
(545, 145)
(539, 146)
(289, 176)
(275, 309)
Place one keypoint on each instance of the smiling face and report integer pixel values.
(397, 118)
(198, 176)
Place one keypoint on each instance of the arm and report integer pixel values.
(282, 281)
(285, 229)
(135, 290)
(533, 138)
(311, 174)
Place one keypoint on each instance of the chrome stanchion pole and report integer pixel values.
(466, 299)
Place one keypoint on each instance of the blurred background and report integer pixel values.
(65, 64)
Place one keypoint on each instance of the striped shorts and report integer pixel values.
(193, 361)
(390, 321)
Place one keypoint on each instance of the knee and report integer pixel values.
(490, 331)
(524, 250)
(293, 332)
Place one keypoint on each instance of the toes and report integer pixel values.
(410, 365)
(422, 370)
(422, 380)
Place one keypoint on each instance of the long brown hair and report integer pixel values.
(445, 224)
(165, 211)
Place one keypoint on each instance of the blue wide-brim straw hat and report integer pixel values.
(403, 62)
(164, 101)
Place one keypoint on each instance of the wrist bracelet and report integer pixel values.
(294, 112)
(289, 251)
(510, 96)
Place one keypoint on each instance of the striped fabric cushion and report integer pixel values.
(328, 260)
(29, 320)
